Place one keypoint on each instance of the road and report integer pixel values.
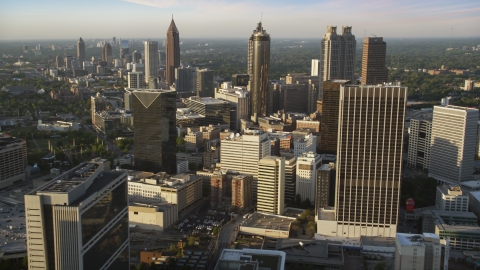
(227, 234)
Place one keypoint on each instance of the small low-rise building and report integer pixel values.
(451, 198)
(147, 215)
(418, 251)
(267, 225)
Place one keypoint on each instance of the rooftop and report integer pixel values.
(207, 100)
(378, 241)
(251, 259)
(162, 179)
(407, 239)
(268, 221)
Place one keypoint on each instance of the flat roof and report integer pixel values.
(98, 184)
(380, 241)
(476, 195)
(268, 221)
(407, 239)
(208, 100)
(473, 184)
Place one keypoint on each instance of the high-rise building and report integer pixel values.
(124, 48)
(418, 251)
(337, 56)
(79, 220)
(25, 49)
(450, 197)
(59, 61)
(241, 153)
(369, 161)
(217, 189)
(135, 80)
(151, 59)
(307, 165)
(453, 143)
(290, 179)
(98, 104)
(242, 192)
(216, 111)
(155, 132)
(107, 54)
(13, 160)
(205, 83)
(68, 62)
(271, 185)
(172, 52)
(183, 80)
(325, 186)
(239, 104)
(374, 70)
(329, 123)
(81, 52)
(315, 67)
(306, 143)
(136, 56)
(258, 71)
(419, 143)
(240, 80)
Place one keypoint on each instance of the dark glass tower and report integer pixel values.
(155, 133)
(107, 53)
(173, 52)
(258, 69)
(81, 52)
(374, 70)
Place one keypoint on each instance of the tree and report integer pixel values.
(191, 241)
(127, 148)
(153, 266)
(142, 266)
(381, 266)
(180, 141)
(171, 263)
(216, 231)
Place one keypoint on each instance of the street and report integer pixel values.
(227, 234)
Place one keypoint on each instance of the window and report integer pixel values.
(135, 213)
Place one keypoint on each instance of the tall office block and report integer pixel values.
(205, 83)
(183, 80)
(374, 70)
(13, 160)
(241, 153)
(369, 161)
(136, 80)
(107, 54)
(240, 80)
(290, 179)
(242, 192)
(258, 70)
(239, 102)
(271, 185)
(329, 123)
(453, 143)
(325, 186)
(124, 48)
(79, 220)
(419, 143)
(337, 56)
(315, 67)
(97, 104)
(216, 111)
(59, 61)
(155, 133)
(81, 52)
(307, 165)
(307, 143)
(151, 59)
(137, 56)
(172, 52)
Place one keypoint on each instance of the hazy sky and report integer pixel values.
(59, 19)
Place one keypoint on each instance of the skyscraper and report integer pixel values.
(124, 48)
(107, 54)
(183, 79)
(59, 61)
(373, 61)
(173, 52)
(79, 220)
(151, 59)
(453, 143)
(258, 70)
(205, 83)
(369, 161)
(271, 185)
(13, 156)
(155, 133)
(135, 80)
(329, 123)
(337, 56)
(307, 165)
(81, 52)
(136, 56)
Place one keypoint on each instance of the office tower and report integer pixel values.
(79, 220)
(114, 40)
(469, 85)
(135, 80)
(337, 56)
(258, 70)
(183, 80)
(329, 123)
(127, 99)
(136, 56)
(241, 153)
(98, 104)
(124, 48)
(239, 104)
(107, 54)
(68, 62)
(307, 165)
(81, 52)
(453, 143)
(162, 58)
(172, 53)
(419, 143)
(305, 143)
(242, 192)
(13, 160)
(450, 197)
(271, 185)
(205, 83)
(290, 98)
(155, 133)
(217, 188)
(369, 161)
(325, 186)
(59, 61)
(240, 80)
(25, 49)
(418, 251)
(315, 67)
(290, 179)
(216, 111)
(374, 70)
(151, 59)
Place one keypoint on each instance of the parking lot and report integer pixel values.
(201, 223)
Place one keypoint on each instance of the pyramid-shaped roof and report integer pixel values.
(173, 27)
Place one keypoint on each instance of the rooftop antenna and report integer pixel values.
(364, 32)
(261, 17)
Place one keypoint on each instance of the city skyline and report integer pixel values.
(233, 19)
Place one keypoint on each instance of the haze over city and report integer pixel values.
(53, 19)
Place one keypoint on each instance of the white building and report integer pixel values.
(152, 216)
(451, 198)
(241, 153)
(453, 143)
(60, 126)
(238, 99)
(193, 141)
(151, 59)
(135, 80)
(315, 67)
(271, 185)
(305, 144)
(474, 202)
(418, 251)
(419, 143)
(307, 165)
